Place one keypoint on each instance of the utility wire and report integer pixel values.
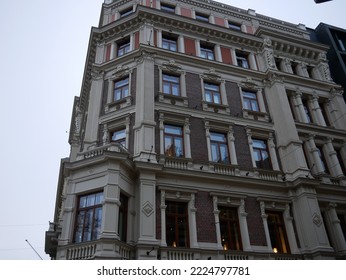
(33, 249)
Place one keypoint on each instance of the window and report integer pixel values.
(341, 40)
(121, 89)
(177, 226)
(207, 51)
(219, 147)
(174, 144)
(122, 223)
(261, 154)
(242, 60)
(250, 101)
(167, 8)
(341, 162)
(202, 17)
(171, 84)
(229, 228)
(342, 218)
(322, 158)
(119, 136)
(123, 47)
(324, 114)
(169, 43)
(277, 232)
(89, 217)
(212, 93)
(234, 26)
(126, 12)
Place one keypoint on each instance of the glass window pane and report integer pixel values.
(259, 144)
(175, 90)
(88, 226)
(215, 153)
(217, 137)
(208, 97)
(82, 201)
(98, 198)
(173, 130)
(91, 200)
(224, 153)
(217, 98)
(178, 143)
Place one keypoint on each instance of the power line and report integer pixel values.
(33, 249)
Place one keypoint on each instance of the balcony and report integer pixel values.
(112, 147)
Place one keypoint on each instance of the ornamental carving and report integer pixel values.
(147, 209)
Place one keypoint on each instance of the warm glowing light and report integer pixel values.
(174, 244)
(225, 247)
(275, 250)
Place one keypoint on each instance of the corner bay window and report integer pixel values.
(121, 89)
(212, 93)
(250, 101)
(171, 84)
(174, 146)
(219, 148)
(177, 226)
(261, 154)
(229, 228)
(277, 232)
(89, 217)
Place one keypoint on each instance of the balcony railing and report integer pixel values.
(112, 147)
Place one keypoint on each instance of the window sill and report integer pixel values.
(217, 108)
(257, 116)
(173, 99)
(119, 104)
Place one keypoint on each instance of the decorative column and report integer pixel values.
(265, 225)
(207, 134)
(300, 107)
(231, 145)
(332, 158)
(290, 230)
(162, 131)
(234, 57)
(192, 222)
(286, 65)
(249, 137)
(252, 61)
(272, 153)
(187, 146)
(316, 109)
(217, 223)
(314, 151)
(163, 207)
(336, 233)
(181, 45)
(218, 56)
(261, 100)
(243, 226)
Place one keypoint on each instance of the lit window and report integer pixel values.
(229, 228)
(119, 136)
(242, 60)
(212, 93)
(250, 101)
(174, 145)
(123, 47)
(177, 225)
(171, 85)
(169, 43)
(277, 232)
(89, 217)
(121, 89)
(261, 154)
(219, 147)
(207, 52)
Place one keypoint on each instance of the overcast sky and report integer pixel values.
(42, 55)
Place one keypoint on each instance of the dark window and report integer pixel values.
(261, 154)
(169, 43)
(235, 26)
(167, 8)
(229, 228)
(242, 60)
(207, 52)
(122, 223)
(121, 89)
(341, 161)
(119, 136)
(212, 93)
(177, 225)
(219, 147)
(324, 113)
(123, 47)
(202, 17)
(277, 232)
(174, 144)
(342, 218)
(126, 12)
(89, 217)
(171, 84)
(250, 101)
(323, 159)
(307, 110)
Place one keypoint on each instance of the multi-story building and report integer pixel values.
(202, 131)
(335, 38)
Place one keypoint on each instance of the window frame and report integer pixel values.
(122, 140)
(172, 151)
(165, 7)
(230, 242)
(123, 217)
(171, 84)
(234, 25)
(250, 103)
(219, 144)
(207, 51)
(212, 93)
(261, 164)
(123, 93)
(86, 209)
(278, 232)
(123, 47)
(170, 41)
(201, 17)
(242, 59)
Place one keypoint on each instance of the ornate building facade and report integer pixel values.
(202, 131)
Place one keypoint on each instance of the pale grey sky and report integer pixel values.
(42, 55)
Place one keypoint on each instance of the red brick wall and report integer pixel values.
(186, 12)
(219, 21)
(255, 222)
(198, 141)
(137, 40)
(226, 55)
(205, 218)
(233, 98)
(242, 147)
(194, 91)
(190, 47)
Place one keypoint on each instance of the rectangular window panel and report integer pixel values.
(277, 232)
(174, 144)
(261, 154)
(212, 93)
(230, 229)
(171, 85)
(121, 89)
(250, 101)
(219, 147)
(177, 226)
